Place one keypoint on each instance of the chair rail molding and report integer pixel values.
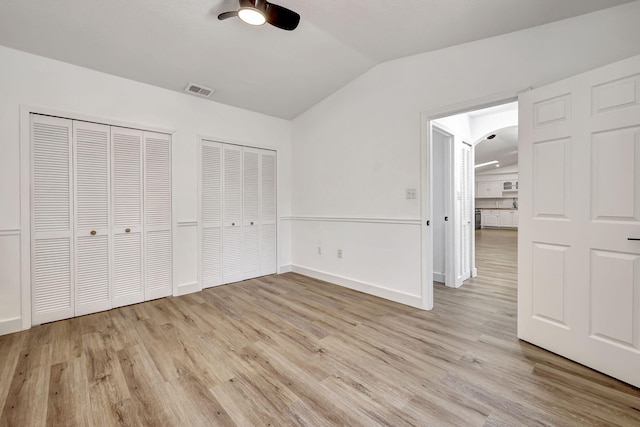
(369, 220)
(10, 231)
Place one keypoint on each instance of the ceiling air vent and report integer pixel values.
(199, 90)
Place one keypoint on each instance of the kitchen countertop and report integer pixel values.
(498, 209)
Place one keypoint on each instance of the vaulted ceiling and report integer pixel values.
(170, 43)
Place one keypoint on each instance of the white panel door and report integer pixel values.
(52, 293)
(92, 215)
(579, 275)
(157, 215)
(250, 212)
(268, 213)
(126, 192)
(232, 214)
(210, 214)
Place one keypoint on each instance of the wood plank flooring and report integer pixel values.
(290, 350)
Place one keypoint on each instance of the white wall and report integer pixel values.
(27, 79)
(358, 150)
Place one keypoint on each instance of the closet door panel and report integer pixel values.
(251, 212)
(157, 212)
(268, 213)
(210, 214)
(51, 224)
(158, 264)
(126, 160)
(51, 278)
(92, 213)
(92, 274)
(232, 214)
(127, 269)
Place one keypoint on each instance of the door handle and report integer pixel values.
(251, 222)
(633, 238)
(428, 223)
(446, 218)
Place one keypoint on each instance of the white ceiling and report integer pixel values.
(501, 121)
(503, 148)
(168, 43)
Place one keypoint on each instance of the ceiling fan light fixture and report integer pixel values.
(251, 16)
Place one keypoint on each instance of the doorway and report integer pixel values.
(480, 176)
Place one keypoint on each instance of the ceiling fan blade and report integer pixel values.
(227, 15)
(281, 17)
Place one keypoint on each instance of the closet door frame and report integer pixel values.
(222, 142)
(26, 183)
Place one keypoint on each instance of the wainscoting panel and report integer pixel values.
(185, 258)
(10, 313)
(378, 256)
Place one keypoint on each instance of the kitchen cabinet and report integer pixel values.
(508, 219)
(491, 189)
(490, 218)
(499, 218)
(510, 186)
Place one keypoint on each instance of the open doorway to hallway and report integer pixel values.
(475, 171)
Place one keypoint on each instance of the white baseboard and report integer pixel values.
(286, 268)
(10, 326)
(367, 288)
(438, 277)
(187, 288)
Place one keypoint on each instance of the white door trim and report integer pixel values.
(426, 205)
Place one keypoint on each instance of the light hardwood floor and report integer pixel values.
(290, 350)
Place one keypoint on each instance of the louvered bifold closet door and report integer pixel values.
(250, 212)
(126, 189)
(51, 219)
(211, 214)
(157, 212)
(92, 228)
(465, 212)
(268, 213)
(232, 214)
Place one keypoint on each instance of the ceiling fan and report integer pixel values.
(257, 12)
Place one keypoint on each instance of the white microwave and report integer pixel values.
(510, 186)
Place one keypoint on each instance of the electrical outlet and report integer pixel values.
(339, 253)
(319, 250)
(411, 193)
